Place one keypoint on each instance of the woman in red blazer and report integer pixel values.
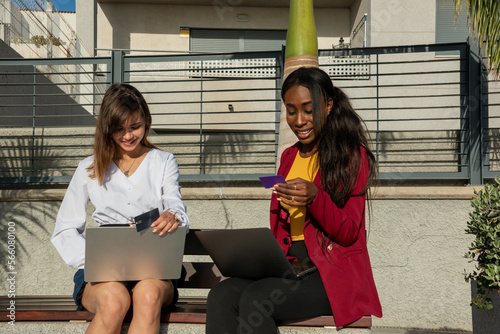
(318, 217)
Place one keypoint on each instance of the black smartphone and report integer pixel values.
(144, 221)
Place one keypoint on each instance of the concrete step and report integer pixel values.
(50, 327)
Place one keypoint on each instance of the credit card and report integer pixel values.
(269, 181)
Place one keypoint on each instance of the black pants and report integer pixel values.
(245, 306)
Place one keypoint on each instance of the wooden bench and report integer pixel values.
(199, 275)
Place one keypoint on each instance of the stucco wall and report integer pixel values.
(159, 26)
(416, 243)
(394, 22)
(402, 22)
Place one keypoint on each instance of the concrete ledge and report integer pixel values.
(213, 193)
(16, 195)
(425, 192)
(80, 327)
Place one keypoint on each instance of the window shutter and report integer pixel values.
(207, 40)
(219, 40)
(257, 40)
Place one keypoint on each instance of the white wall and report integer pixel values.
(402, 22)
(159, 26)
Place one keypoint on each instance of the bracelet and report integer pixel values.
(175, 213)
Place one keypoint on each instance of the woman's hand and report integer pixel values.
(296, 192)
(166, 223)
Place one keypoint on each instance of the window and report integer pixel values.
(219, 40)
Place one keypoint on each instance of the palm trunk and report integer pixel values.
(301, 51)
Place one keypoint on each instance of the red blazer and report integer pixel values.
(343, 262)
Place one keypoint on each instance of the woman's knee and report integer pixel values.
(260, 290)
(227, 292)
(216, 294)
(112, 300)
(152, 295)
(262, 296)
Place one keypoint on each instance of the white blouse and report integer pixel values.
(155, 184)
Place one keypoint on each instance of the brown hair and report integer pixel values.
(119, 103)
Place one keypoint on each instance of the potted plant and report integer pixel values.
(484, 251)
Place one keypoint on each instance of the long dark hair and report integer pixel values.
(119, 102)
(340, 135)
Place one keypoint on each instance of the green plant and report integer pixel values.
(484, 223)
(55, 41)
(38, 40)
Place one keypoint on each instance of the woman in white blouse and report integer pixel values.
(125, 177)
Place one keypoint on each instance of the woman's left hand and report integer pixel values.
(166, 223)
(296, 192)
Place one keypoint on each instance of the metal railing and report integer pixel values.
(227, 105)
(489, 103)
(430, 117)
(415, 104)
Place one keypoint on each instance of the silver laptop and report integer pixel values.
(250, 253)
(120, 253)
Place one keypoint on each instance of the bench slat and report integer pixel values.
(48, 315)
(200, 275)
(327, 320)
(180, 315)
(192, 315)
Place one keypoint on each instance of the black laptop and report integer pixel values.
(250, 253)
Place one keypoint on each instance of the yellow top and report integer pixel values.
(306, 169)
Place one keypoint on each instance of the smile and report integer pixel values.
(303, 133)
(129, 142)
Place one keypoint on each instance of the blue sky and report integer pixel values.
(64, 5)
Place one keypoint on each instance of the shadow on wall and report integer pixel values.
(19, 218)
(494, 150)
(19, 158)
(238, 153)
(28, 157)
(24, 86)
(432, 151)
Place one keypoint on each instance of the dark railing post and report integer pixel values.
(487, 140)
(202, 162)
(377, 133)
(117, 67)
(280, 68)
(474, 113)
(33, 137)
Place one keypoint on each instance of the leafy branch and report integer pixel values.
(484, 21)
(484, 223)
